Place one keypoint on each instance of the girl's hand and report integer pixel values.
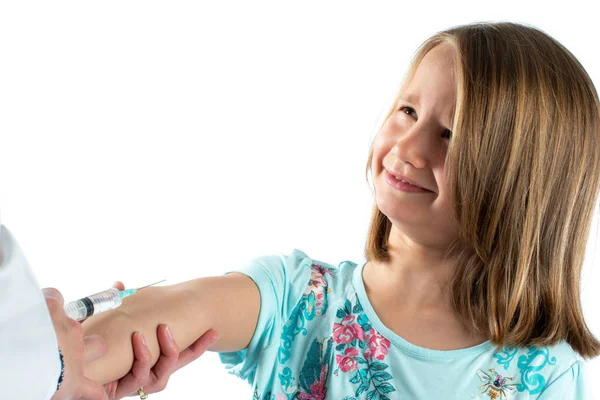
(154, 379)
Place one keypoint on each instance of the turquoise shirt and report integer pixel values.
(318, 337)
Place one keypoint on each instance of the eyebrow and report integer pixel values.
(414, 99)
(411, 98)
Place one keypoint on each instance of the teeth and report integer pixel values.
(402, 180)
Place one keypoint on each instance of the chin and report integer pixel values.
(390, 207)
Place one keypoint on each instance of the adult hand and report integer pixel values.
(154, 379)
(76, 351)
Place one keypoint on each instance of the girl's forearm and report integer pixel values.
(228, 304)
(175, 306)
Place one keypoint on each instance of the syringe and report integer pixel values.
(99, 302)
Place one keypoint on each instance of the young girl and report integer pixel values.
(485, 174)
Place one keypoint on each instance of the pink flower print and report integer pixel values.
(347, 362)
(323, 271)
(378, 346)
(317, 280)
(281, 396)
(319, 303)
(347, 331)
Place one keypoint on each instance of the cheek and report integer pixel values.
(381, 147)
(439, 177)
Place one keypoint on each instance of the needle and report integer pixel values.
(152, 284)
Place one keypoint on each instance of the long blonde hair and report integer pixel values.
(523, 171)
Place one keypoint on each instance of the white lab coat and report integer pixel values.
(29, 360)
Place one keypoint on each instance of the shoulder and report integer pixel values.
(567, 375)
(534, 368)
(297, 261)
(287, 279)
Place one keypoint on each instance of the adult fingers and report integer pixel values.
(119, 285)
(94, 347)
(167, 361)
(197, 348)
(140, 371)
(91, 390)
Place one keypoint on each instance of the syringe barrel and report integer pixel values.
(94, 304)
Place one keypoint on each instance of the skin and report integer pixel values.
(79, 350)
(155, 378)
(228, 304)
(414, 142)
(410, 287)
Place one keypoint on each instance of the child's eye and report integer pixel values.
(407, 110)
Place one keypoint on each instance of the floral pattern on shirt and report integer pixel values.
(343, 355)
(313, 375)
(359, 349)
(360, 352)
(313, 303)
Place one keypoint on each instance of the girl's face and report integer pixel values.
(413, 143)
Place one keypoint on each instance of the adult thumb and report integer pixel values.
(53, 293)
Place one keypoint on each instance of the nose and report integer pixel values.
(413, 147)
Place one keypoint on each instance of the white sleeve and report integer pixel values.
(30, 364)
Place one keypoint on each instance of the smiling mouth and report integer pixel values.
(402, 185)
(400, 178)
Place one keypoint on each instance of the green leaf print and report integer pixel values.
(385, 388)
(357, 308)
(315, 359)
(382, 376)
(341, 313)
(377, 366)
(348, 307)
(362, 388)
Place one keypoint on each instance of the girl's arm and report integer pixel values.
(229, 304)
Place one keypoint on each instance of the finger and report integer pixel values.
(94, 348)
(91, 390)
(55, 309)
(119, 285)
(168, 347)
(167, 363)
(53, 294)
(197, 348)
(111, 389)
(55, 304)
(140, 371)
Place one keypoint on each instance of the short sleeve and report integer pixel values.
(571, 384)
(281, 281)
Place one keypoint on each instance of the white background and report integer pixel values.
(150, 140)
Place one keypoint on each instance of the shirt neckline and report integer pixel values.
(400, 342)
